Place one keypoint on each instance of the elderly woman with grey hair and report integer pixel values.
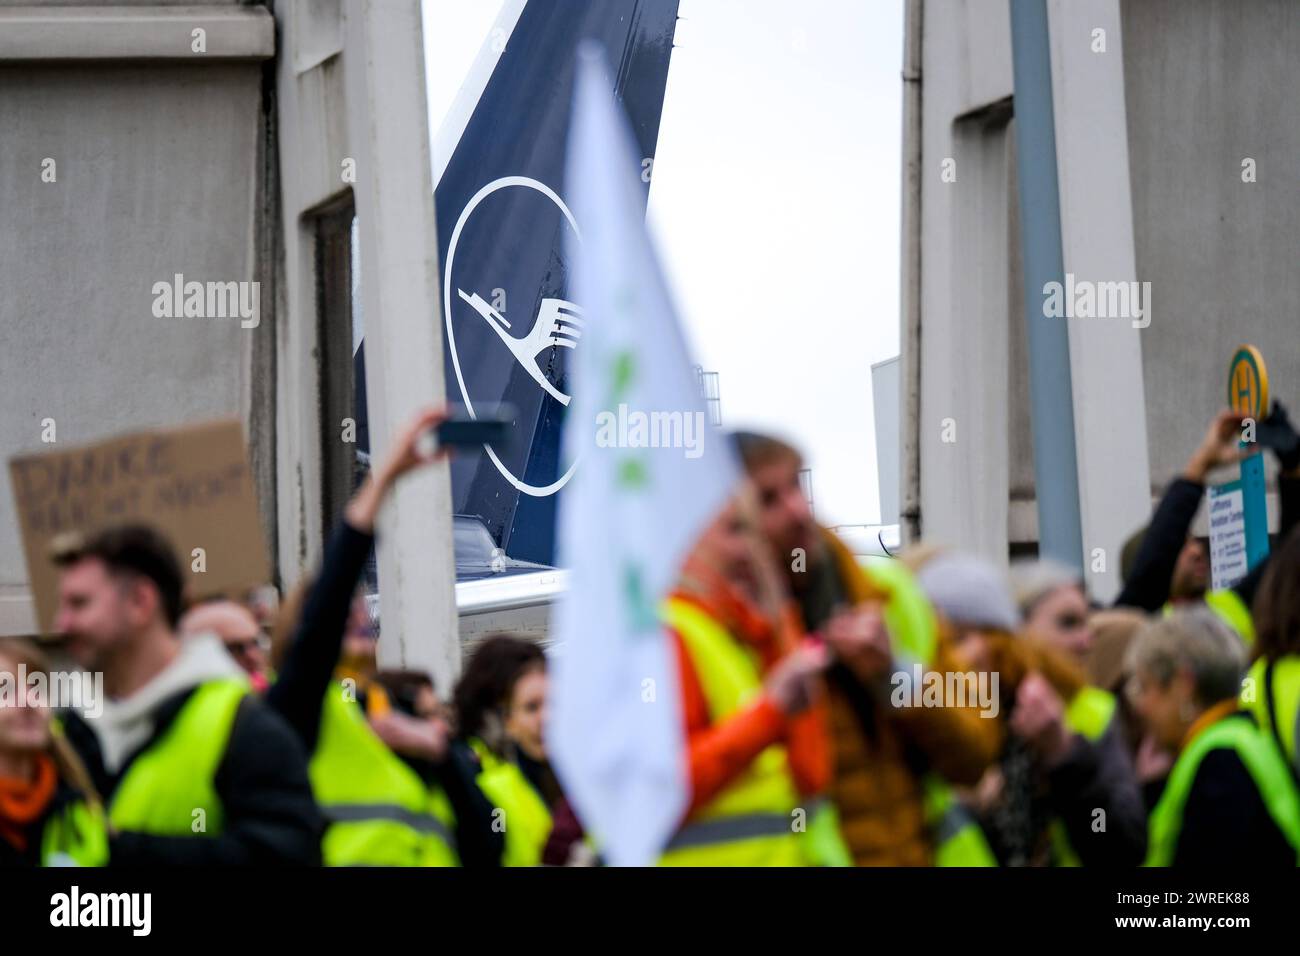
(1229, 797)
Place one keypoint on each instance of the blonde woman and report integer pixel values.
(50, 814)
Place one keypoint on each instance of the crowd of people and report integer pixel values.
(1162, 730)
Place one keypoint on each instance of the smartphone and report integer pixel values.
(491, 425)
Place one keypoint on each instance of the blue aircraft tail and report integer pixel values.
(508, 323)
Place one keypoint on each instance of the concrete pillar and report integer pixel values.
(1097, 241)
(389, 138)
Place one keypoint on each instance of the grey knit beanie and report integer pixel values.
(970, 592)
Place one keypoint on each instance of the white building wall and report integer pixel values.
(961, 426)
(352, 97)
(1151, 135)
(157, 159)
(884, 403)
(1210, 83)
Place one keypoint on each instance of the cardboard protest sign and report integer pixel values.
(193, 484)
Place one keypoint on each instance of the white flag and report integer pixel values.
(652, 473)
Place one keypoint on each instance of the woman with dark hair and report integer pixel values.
(500, 714)
(50, 814)
(1271, 691)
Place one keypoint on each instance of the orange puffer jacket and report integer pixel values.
(718, 753)
(880, 752)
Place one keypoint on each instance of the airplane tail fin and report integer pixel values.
(508, 322)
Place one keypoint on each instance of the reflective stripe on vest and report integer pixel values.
(170, 789)
(727, 829)
(950, 822)
(752, 821)
(1228, 607)
(362, 812)
(524, 814)
(76, 835)
(957, 837)
(1260, 757)
(379, 811)
(1271, 692)
(821, 844)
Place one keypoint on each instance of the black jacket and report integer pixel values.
(299, 690)
(11, 856)
(1225, 821)
(313, 652)
(1147, 587)
(270, 815)
(1097, 776)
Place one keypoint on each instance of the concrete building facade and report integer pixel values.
(225, 141)
(1174, 130)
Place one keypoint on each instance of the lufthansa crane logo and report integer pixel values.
(558, 323)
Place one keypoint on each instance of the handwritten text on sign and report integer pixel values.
(194, 484)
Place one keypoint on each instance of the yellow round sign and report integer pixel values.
(1248, 383)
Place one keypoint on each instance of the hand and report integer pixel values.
(424, 739)
(987, 794)
(1152, 761)
(791, 683)
(1278, 433)
(407, 451)
(858, 636)
(1220, 446)
(1039, 718)
(405, 454)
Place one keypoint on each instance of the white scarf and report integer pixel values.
(128, 722)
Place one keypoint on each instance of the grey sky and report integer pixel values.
(775, 200)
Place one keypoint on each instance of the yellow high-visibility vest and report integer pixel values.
(76, 835)
(170, 789)
(1236, 732)
(1271, 692)
(1229, 608)
(524, 817)
(758, 820)
(379, 812)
